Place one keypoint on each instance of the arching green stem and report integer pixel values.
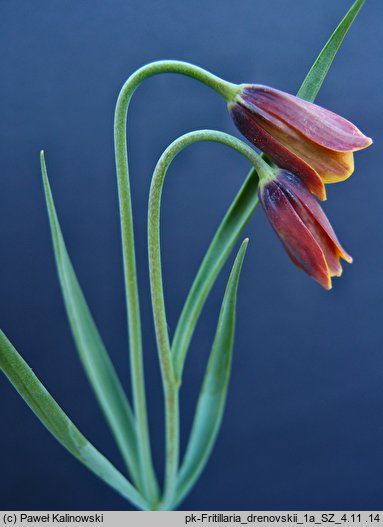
(225, 89)
(168, 373)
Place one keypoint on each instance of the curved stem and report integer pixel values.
(225, 89)
(169, 379)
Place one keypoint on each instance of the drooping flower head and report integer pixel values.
(315, 144)
(302, 226)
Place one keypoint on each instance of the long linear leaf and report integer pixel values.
(212, 398)
(242, 209)
(94, 357)
(223, 242)
(317, 74)
(58, 423)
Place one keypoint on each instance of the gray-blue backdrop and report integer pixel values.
(303, 426)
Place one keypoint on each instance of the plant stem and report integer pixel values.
(169, 379)
(225, 89)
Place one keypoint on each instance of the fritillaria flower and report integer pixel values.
(315, 144)
(302, 226)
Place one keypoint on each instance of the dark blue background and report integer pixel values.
(303, 427)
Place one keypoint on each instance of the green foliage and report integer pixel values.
(59, 424)
(212, 398)
(317, 74)
(219, 250)
(94, 357)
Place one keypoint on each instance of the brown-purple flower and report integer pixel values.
(314, 143)
(302, 226)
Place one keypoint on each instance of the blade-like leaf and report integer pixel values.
(224, 240)
(94, 357)
(242, 209)
(317, 74)
(58, 423)
(212, 398)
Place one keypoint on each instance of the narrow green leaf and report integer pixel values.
(212, 398)
(243, 208)
(317, 74)
(58, 423)
(94, 357)
(220, 247)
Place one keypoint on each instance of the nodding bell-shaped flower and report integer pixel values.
(302, 226)
(315, 144)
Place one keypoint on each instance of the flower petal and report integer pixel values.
(331, 166)
(281, 155)
(325, 243)
(298, 241)
(314, 122)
